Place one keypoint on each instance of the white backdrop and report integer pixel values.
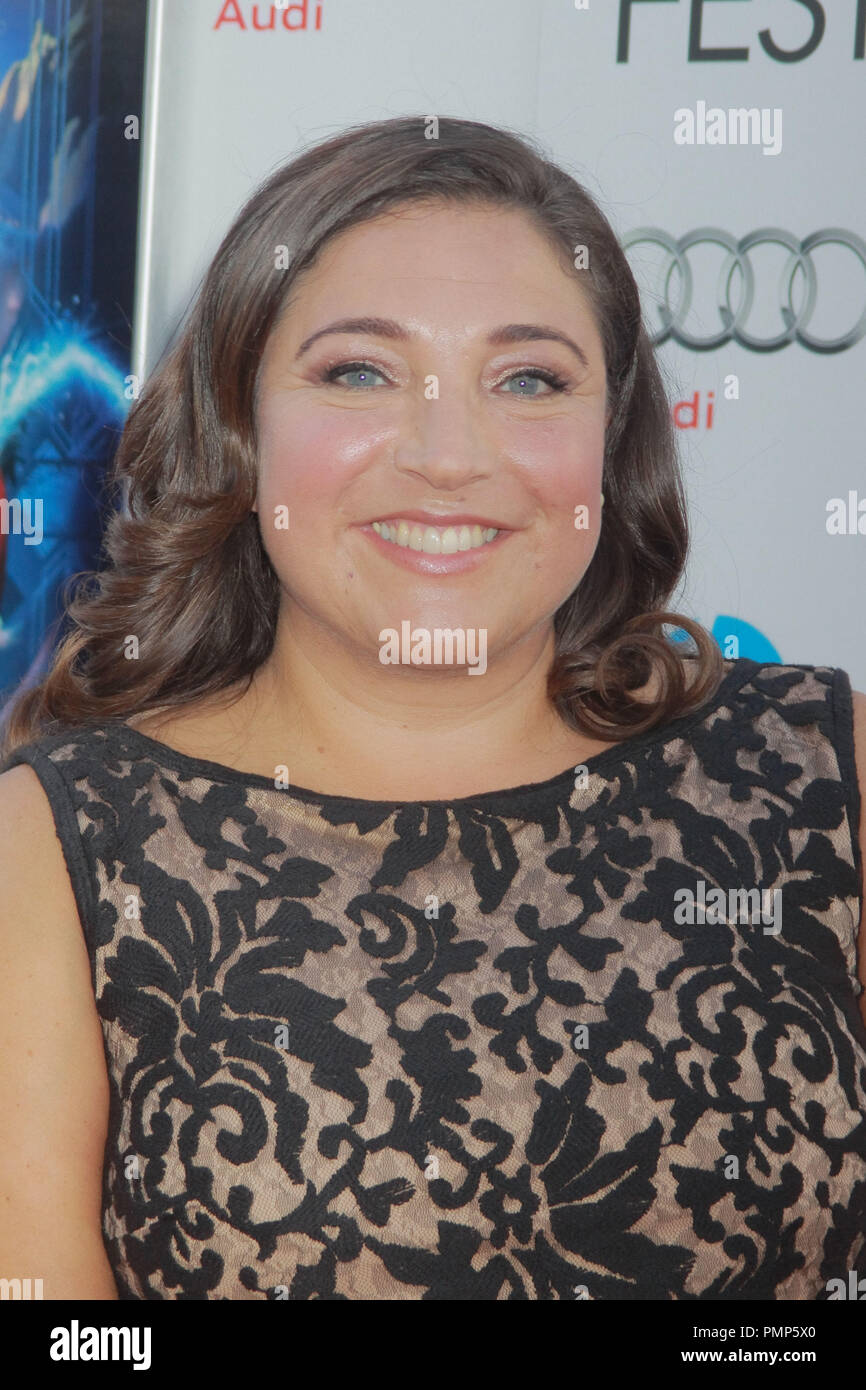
(601, 87)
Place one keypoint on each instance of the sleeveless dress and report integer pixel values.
(500, 1047)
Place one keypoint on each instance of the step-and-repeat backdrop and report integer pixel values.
(723, 140)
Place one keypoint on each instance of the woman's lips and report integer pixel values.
(458, 563)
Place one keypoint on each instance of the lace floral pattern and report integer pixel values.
(465, 1050)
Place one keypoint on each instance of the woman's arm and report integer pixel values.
(859, 700)
(53, 1079)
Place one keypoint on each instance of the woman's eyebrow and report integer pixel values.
(389, 328)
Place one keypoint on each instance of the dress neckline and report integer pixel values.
(496, 801)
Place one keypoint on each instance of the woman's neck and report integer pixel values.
(396, 735)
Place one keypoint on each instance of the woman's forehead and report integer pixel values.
(436, 270)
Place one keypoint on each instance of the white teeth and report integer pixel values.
(434, 540)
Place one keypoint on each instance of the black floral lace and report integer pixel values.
(466, 1050)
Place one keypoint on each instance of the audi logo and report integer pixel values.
(796, 322)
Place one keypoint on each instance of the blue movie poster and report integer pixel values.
(71, 75)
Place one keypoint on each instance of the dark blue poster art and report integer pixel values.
(71, 78)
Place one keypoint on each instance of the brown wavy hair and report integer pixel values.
(186, 569)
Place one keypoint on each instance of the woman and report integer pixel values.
(374, 979)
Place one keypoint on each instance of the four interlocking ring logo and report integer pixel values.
(796, 322)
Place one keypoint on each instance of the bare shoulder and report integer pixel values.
(859, 705)
(28, 839)
(53, 1077)
(235, 727)
(162, 722)
(203, 728)
(39, 920)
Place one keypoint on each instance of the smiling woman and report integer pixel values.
(373, 981)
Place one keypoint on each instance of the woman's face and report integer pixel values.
(464, 407)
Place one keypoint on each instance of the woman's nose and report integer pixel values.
(444, 440)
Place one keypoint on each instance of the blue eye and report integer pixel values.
(557, 383)
(364, 370)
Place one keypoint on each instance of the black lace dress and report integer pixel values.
(484, 1048)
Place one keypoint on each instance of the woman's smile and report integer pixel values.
(435, 550)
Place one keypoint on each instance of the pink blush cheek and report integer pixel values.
(311, 459)
(561, 463)
(561, 480)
